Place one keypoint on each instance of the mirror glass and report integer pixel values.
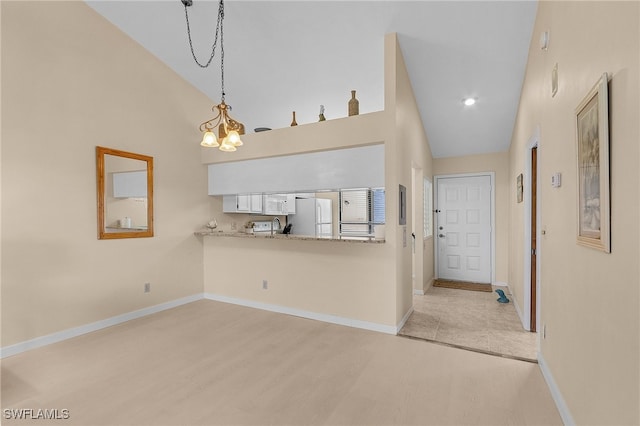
(355, 213)
(125, 194)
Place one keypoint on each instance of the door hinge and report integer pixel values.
(533, 252)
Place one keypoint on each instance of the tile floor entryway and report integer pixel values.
(472, 320)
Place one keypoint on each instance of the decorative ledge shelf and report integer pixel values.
(285, 237)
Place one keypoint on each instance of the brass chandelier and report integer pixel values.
(229, 130)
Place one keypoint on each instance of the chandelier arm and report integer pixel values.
(208, 125)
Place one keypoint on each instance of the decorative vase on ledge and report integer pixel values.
(354, 104)
(294, 122)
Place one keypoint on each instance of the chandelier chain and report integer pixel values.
(221, 23)
(218, 34)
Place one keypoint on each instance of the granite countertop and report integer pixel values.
(283, 237)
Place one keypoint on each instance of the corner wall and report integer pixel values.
(590, 300)
(411, 150)
(71, 81)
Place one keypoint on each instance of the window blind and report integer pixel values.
(360, 209)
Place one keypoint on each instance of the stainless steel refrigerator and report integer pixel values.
(313, 218)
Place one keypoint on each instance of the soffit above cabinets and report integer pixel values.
(361, 167)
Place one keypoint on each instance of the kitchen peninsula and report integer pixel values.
(286, 237)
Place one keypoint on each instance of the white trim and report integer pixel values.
(518, 311)
(333, 319)
(492, 176)
(501, 284)
(565, 414)
(534, 141)
(94, 326)
(418, 292)
(429, 285)
(404, 320)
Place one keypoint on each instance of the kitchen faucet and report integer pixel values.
(273, 222)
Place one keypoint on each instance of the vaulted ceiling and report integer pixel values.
(284, 56)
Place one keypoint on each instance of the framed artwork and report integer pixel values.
(592, 154)
(402, 217)
(519, 188)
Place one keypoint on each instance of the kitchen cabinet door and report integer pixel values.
(243, 203)
(255, 203)
(230, 203)
(290, 204)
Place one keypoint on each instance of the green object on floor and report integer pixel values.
(503, 298)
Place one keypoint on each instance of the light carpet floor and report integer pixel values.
(473, 320)
(211, 363)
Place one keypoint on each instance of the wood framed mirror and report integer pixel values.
(124, 193)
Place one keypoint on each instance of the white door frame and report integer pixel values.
(534, 142)
(417, 215)
(492, 176)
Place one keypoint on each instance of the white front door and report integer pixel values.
(463, 232)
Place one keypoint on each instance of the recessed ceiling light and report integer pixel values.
(469, 101)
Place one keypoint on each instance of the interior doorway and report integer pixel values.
(532, 232)
(534, 242)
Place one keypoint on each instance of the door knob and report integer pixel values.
(441, 235)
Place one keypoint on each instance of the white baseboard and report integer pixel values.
(518, 311)
(418, 292)
(333, 319)
(500, 284)
(94, 326)
(404, 320)
(565, 414)
(429, 284)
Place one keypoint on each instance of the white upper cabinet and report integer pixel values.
(130, 184)
(291, 204)
(244, 203)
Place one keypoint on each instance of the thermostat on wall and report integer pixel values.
(556, 180)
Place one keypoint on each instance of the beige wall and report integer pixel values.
(71, 81)
(590, 299)
(499, 164)
(349, 280)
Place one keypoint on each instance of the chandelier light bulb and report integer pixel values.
(226, 146)
(234, 138)
(209, 140)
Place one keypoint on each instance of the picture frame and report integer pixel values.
(592, 155)
(519, 188)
